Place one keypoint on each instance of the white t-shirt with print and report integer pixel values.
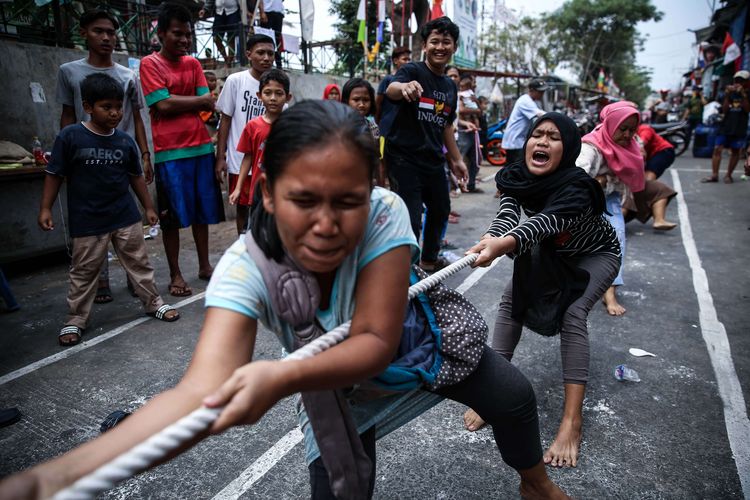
(239, 99)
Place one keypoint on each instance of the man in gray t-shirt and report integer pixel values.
(99, 30)
(69, 78)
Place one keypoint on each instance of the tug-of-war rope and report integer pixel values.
(171, 437)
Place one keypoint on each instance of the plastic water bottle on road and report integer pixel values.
(624, 372)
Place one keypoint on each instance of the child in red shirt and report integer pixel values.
(658, 153)
(275, 94)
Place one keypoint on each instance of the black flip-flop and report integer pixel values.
(709, 179)
(9, 416)
(103, 295)
(112, 420)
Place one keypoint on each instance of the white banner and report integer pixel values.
(465, 15)
(307, 18)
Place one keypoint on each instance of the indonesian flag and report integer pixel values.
(730, 49)
(433, 105)
(426, 103)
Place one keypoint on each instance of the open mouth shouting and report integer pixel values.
(539, 158)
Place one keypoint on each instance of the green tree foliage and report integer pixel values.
(523, 47)
(351, 54)
(594, 34)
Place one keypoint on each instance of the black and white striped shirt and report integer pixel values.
(579, 235)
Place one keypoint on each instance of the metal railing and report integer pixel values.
(56, 24)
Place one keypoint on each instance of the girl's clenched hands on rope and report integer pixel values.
(491, 247)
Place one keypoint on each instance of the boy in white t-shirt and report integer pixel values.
(238, 104)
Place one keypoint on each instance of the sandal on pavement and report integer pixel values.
(710, 179)
(161, 314)
(69, 330)
(103, 295)
(180, 290)
(112, 420)
(728, 179)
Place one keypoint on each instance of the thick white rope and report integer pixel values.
(173, 436)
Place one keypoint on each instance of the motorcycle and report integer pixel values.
(495, 152)
(584, 121)
(676, 133)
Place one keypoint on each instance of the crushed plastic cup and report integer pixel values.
(153, 232)
(625, 373)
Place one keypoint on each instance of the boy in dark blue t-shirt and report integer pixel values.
(425, 108)
(100, 164)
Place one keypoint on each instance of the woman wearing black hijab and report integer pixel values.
(565, 255)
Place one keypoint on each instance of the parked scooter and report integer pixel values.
(676, 133)
(495, 152)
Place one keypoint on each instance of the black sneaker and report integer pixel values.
(9, 416)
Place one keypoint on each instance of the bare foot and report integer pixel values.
(564, 449)
(535, 484)
(664, 226)
(610, 302)
(205, 274)
(472, 421)
(529, 492)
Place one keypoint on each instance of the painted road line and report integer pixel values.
(258, 469)
(88, 343)
(474, 277)
(270, 458)
(719, 352)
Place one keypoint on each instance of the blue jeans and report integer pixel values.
(618, 222)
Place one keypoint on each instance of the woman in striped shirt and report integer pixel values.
(566, 255)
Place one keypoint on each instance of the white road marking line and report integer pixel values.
(717, 343)
(258, 469)
(88, 343)
(488, 178)
(474, 277)
(270, 458)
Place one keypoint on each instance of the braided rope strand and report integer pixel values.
(171, 437)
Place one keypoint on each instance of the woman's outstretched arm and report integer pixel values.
(226, 343)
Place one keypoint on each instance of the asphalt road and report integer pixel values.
(682, 432)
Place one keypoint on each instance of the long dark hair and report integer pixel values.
(307, 125)
(356, 83)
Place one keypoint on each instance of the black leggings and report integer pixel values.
(500, 394)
